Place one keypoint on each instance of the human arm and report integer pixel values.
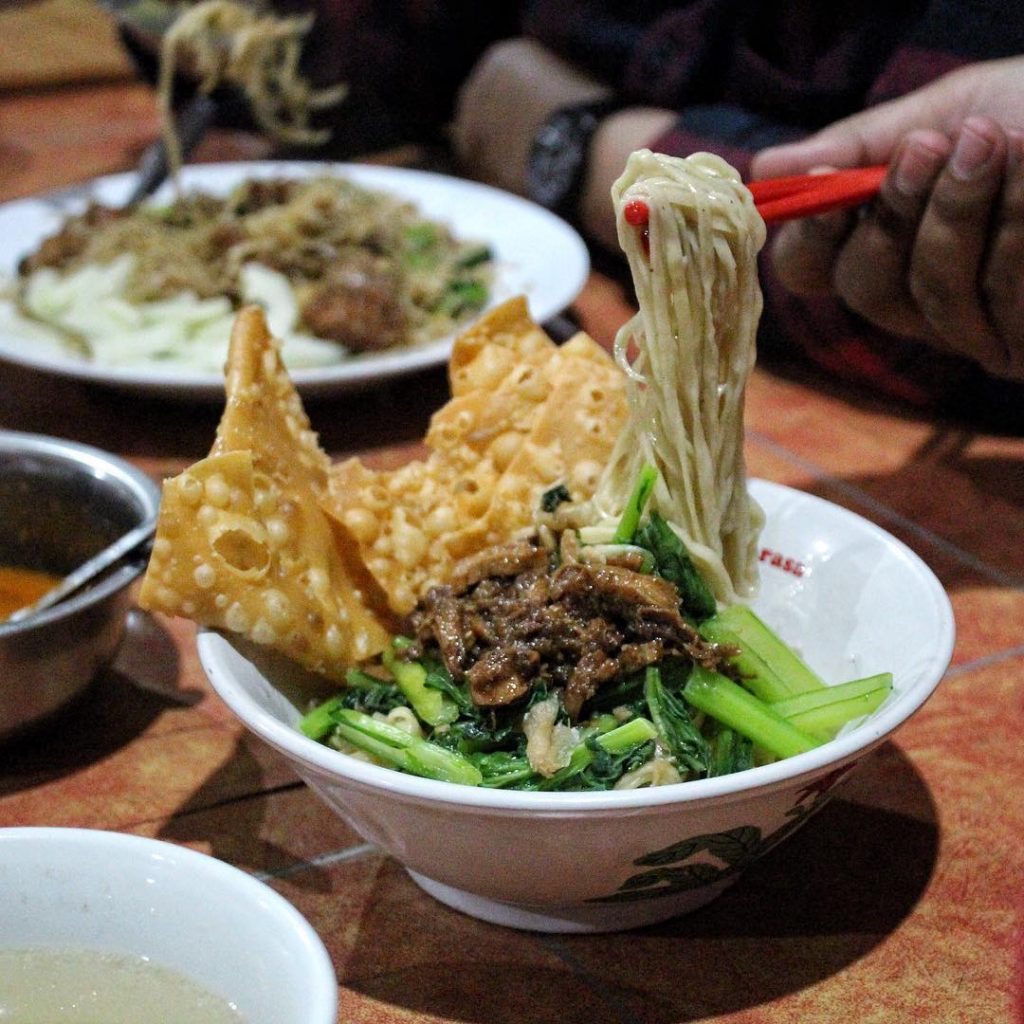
(519, 83)
(513, 89)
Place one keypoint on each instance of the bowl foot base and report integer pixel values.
(578, 918)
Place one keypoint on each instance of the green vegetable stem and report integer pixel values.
(635, 506)
(770, 669)
(474, 256)
(502, 769)
(826, 711)
(728, 703)
(730, 752)
(612, 753)
(430, 704)
(408, 753)
(320, 721)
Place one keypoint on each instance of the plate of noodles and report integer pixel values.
(365, 272)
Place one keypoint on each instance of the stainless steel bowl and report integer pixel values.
(61, 503)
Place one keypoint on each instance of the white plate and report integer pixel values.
(537, 254)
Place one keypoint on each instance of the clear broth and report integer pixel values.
(83, 986)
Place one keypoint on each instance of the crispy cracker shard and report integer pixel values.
(242, 543)
(524, 415)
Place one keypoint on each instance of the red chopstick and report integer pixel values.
(804, 195)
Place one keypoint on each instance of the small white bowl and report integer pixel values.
(66, 888)
(850, 597)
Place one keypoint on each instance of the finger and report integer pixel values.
(869, 137)
(871, 271)
(945, 266)
(1002, 282)
(804, 251)
(839, 145)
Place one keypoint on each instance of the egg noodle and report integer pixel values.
(693, 257)
(230, 42)
(340, 270)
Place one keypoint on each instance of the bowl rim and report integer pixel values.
(322, 982)
(836, 752)
(102, 463)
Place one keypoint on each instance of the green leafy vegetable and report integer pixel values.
(470, 735)
(673, 562)
(473, 257)
(552, 498)
(675, 727)
(626, 692)
(421, 246)
(462, 296)
(439, 678)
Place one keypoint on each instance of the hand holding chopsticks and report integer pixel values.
(938, 255)
(804, 195)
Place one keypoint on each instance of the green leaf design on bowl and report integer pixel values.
(729, 852)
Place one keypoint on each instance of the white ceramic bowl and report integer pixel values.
(850, 597)
(193, 914)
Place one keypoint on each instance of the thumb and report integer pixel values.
(870, 137)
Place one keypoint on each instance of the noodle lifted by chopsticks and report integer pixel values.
(694, 266)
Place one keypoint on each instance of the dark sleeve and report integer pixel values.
(599, 36)
(948, 35)
(732, 132)
(403, 61)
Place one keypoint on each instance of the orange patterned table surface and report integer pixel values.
(903, 901)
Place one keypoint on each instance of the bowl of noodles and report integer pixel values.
(591, 861)
(572, 668)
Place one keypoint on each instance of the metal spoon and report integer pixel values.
(125, 545)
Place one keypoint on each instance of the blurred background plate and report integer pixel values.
(536, 254)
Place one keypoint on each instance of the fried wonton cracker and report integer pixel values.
(525, 415)
(570, 438)
(242, 543)
(504, 340)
